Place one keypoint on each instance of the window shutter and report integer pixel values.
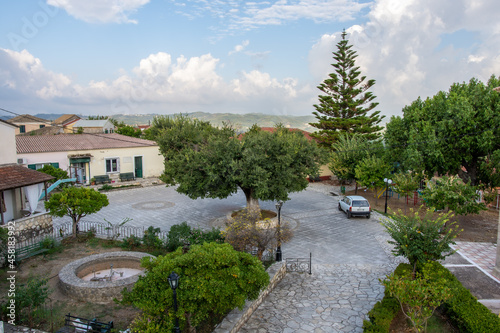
(32, 166)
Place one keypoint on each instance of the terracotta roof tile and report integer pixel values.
(69, 142)
(14, 176)
(26, 118)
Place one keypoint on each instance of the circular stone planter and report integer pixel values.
(101, 292)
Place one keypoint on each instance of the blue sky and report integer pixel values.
(168, 56)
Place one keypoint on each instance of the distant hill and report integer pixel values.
(241, 122)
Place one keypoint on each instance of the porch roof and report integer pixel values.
(15, 176)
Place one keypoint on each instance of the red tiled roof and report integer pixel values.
(27, 118)
(69, 142)
(14, 176)
(66, 118)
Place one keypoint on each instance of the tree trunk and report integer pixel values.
(356, 190)
(253, 206)
(75, 225)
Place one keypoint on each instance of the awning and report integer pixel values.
(79, 160)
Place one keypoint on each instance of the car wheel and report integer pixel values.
(340, 208)
(348, 215)
(368, 216)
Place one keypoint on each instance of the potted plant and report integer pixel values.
(92, 181)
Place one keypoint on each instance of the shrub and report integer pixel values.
(178, 235)
(419, 296)
(130, 243)
(420, 239)
(151, 239)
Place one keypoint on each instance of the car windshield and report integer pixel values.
(361, 203)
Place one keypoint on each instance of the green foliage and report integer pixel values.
(29, 300)
(105, 188)
(129, 131)
(406, 183)
(79, 130)
(214, 279)
(448, 131)
(54, 172)
(346, 104)
(76, 202)
(205, 161)
(130, 243)
(371, 171)
(452, 193)
(420, 239)
(346, 154)
(4, 238)
(180, 234)
(420, 296)
(381, 316)
(151, 239)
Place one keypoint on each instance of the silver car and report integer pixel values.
(355, 205)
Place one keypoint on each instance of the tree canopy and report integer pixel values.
(214, 279)
(346, 105)
(76, 202)
(452, 132)
(205, 161)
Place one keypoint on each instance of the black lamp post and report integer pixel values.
(387, 183)
(278, 250)
(173, 280)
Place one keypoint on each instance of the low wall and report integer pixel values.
(36, 226)
(236, 318)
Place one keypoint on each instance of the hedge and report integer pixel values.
(463, 309)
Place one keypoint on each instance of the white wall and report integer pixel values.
(8, 144)
(59, 157)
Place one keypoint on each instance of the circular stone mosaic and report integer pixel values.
(152, 205)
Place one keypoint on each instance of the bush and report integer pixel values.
(420, 239)
(130, 243)
(419, 296)
(151, 239)
(177, 236)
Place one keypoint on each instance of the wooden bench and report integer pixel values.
(102, 179)
(127, 176)
(77, 324)
(29, 251)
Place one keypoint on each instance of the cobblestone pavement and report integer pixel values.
(347, 255)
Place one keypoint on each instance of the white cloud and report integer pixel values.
(240, 47)
(157, 84)
(100, 11)
(400, 46)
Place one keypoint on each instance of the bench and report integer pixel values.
(102, 179)
(77, 324)
(127, 176)
(29, 251)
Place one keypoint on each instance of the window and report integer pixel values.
(22, 129)
(112, 165)
(42, 126)
(41, 165)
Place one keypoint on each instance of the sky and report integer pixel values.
(105, 57)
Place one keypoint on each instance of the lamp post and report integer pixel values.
(278, 250)
(173, 281)
(387, 183)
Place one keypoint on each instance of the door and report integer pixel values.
(138, 166)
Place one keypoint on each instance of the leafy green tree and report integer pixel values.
(346, 105)
(454, 194)
(450, 131)
(129, 131)
(421, 238)
(214, 162)
(76, 202)
(406, 183)
(214, 279)
(57, 173)
(371, 171)
(346, 154)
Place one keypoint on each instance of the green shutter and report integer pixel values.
(32, 166)
(55, 165)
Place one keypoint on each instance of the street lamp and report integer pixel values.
(173, 281)
(278, 250)
(387, 183)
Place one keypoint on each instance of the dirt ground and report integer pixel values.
(49, 266)
(476, 228)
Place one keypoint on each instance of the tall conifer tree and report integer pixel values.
(346, 104)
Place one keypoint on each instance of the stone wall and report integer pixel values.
(35, 226)
(236, 318)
